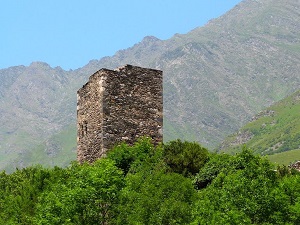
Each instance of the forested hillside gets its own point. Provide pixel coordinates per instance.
(178, 183)
(274, 130)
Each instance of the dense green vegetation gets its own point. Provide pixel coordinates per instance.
(177, 183)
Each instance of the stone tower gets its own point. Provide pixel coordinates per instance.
(118, 105)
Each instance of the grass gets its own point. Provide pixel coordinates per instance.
(277, 129)
(61, 152)
(285, 158)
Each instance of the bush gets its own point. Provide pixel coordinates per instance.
(185, 158)
(125, 155)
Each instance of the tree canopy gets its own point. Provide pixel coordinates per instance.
(176, 183)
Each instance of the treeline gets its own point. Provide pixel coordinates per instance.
(176, 183)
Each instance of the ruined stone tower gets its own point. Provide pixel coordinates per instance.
(118, 105)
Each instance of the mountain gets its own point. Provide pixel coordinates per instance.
(273, 130)
(216, 77)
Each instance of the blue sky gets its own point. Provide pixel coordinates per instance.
(69, 33)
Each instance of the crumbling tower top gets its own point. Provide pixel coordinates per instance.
(118, 105)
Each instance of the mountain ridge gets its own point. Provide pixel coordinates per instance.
(216, 77)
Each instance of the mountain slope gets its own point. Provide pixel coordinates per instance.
(285, 158)
(274, 130)
(216, 78)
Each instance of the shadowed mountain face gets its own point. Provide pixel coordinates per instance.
(216, 78)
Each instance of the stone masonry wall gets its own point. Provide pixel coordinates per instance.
(118, 105)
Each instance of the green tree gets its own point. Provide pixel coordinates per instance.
(89, 196)
(245, 193)
(154, 197)
(19, 194)
(288, 193)
(216, 164)
(185, 157)
(125, 156)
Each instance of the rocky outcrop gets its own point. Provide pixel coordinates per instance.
(295, 166)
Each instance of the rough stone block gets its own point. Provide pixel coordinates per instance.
(116, 106)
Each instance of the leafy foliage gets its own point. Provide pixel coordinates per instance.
(245, 188)
(125, 155)
(216, 164)
(156, 198)
(185, 157)
(88, 196)
(143, 184)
